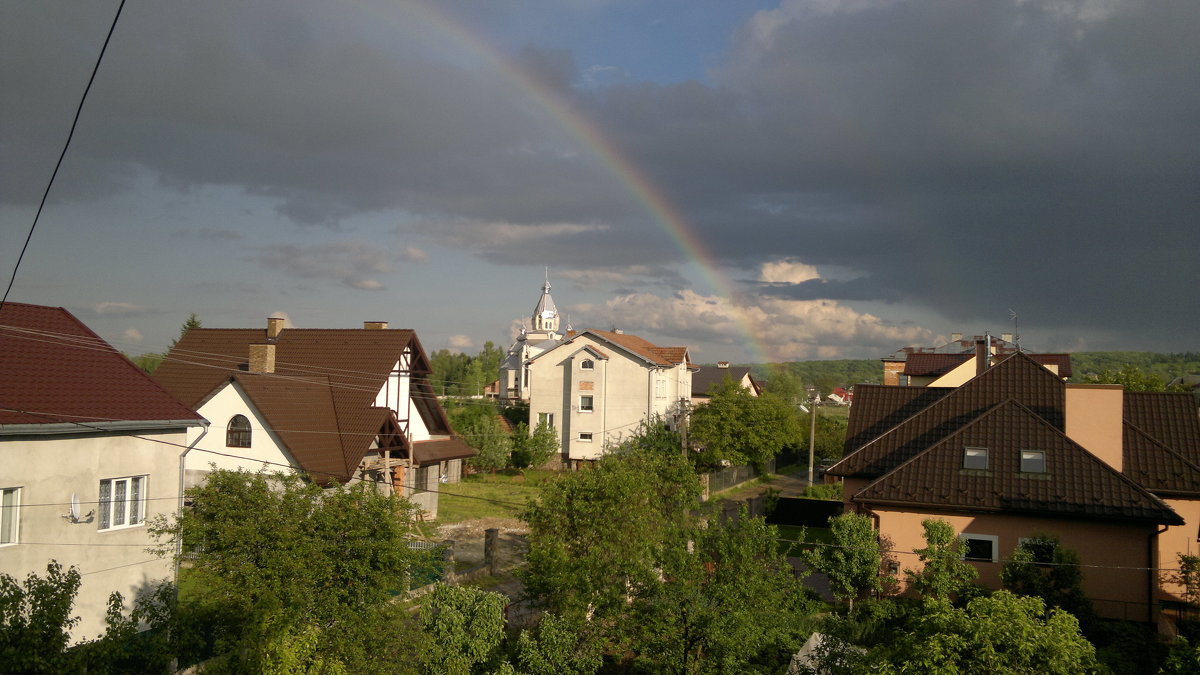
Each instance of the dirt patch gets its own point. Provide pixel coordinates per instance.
(468, 540)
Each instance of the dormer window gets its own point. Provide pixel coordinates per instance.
(975, 458)
(587, 364)
(237, 432)
(1033, 461)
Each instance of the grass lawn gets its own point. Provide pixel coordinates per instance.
(483, 495)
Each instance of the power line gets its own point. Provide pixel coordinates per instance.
(62, 155)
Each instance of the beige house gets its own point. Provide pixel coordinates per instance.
(541, 335)
(334, 404)
(90, 450)
(596, 387)
(952, 364)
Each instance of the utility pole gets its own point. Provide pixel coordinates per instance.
(683, 426)
(812, 435)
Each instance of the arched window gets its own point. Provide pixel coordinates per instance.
(587, 364)
(237, 433)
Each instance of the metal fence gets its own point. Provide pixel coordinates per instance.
(723, 479)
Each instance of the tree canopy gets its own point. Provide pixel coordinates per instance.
(944, 572)
(737, 427)
(852, 562)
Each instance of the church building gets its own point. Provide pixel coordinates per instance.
(545, 335)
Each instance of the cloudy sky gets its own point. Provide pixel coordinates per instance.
(788, 180)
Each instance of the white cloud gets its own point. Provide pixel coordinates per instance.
(460, 343)
(132, 335)
(482, 235)
(117, 309)
(788, 271)
(414, 254)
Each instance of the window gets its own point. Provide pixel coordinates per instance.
(237, 432)
(587, 364)
(585, 403)
(1033, 461)
(981, 547)
(10, 515)
(122, 502)
(546, 419)
(1041, 549)
(660, 386)
(585, 436)
(975, 458)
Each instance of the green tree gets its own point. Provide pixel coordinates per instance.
(559, 646)
(36, 621)
(1188, 576)
(1041, 567)
(465, 626)
(741, 428)
(532, 450)
(486, 433)
(287, 562)
(651, 435)
(852, 562)
(1001, 634)
(1131, 378)
(148, 362)
(945, 572)
(191, 322)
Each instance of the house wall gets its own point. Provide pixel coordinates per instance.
(957, 377)
(1179, 539)
(49, 470)
(396, 394)
(1094, 419)
(1116, 593)
(265, 449)
(892, 371)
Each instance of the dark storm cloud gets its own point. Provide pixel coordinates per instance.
(817, 289)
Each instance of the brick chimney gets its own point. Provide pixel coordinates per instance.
(981, 355)
(274, 326)
(262, 358)
(375, 325)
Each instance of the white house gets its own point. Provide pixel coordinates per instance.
(596, 387)
(542, 335)
(336, 404)
(90, 450)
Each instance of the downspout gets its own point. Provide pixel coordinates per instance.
(204, 424)
(1151, 581)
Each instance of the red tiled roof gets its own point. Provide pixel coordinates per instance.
(1076, 483)
(57, 370)
(660, 356)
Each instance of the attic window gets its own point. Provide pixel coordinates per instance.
(237, 432)
(975, 458)
(1033, 461)
(587, 364)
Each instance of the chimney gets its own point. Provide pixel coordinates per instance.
(375, 325)
(722, 364)
(956, 337)
(274, 326)
(1007, 337)
(1094, 418)
(262, 358)
(981, 356)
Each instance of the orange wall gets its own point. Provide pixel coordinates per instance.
(1094, 416)
(1117, 593)
(1176, 540)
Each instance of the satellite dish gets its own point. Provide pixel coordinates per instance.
(74, 507)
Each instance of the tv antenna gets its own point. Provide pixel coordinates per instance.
(1016, 330)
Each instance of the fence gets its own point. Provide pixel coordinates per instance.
(723, 479)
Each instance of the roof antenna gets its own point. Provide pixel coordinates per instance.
(1016, 331)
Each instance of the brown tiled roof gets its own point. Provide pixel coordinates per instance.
(334, 375)
(660, 356)
(1076, 483)
(57, 370)
(1157, 467)
(878, 408)
(440, 450)
(1169, 418)
(922, 364)
(1017, 376)
(707, 376)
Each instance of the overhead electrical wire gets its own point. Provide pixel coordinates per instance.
(62, 155)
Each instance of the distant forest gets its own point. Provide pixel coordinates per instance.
(826, 375)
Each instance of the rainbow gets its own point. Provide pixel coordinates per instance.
(652, 199)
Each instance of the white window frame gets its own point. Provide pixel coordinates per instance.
(1042, 453)
(10, 516)
(993, 539)
(591, 405)
(979, 452)
(547, 419)
(660, 386)
(585, 437)
(130, 510)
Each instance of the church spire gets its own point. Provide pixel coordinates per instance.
(545, 314)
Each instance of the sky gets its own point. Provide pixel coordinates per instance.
(755, 180)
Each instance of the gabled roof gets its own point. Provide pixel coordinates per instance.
(878, 408)
(56, 370)
(662, 357)
(1157, 467)
(321, 397)
(965, 348)
(1017, 376)
(1076, 483)
(1170, 418)
(706, 376)
(925, 364)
